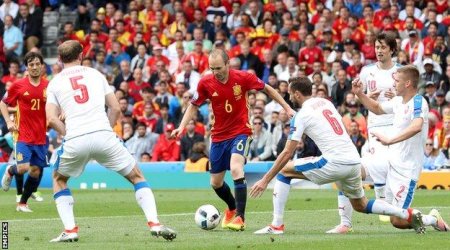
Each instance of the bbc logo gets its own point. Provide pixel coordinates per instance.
(4, 235)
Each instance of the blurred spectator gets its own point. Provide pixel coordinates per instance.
(167, 148)
(356, 136)
(249, 60)
(413, 47)
(137, 85)
(292, 69)
(277, 131)
(141, 57)
(261, 147)
(145, 157)
(306, 148)
(149, 117)
(12, 39)
(189, 139)
(198, 160)
(310, 54)
(30, 25)
(434, 158)
(147, 94)
(163, 95)
(164, 118)
(10, 8)
(430, 74)
(355, 116)
(116, 55)
(189, 77)
(128, 131)
(176, 64)
(340, 88)
(234, 19)
(124, 74)
(430, 92)
(142, 141)
(83, 19)
(13, 75)
(440, 102)
(100, 63)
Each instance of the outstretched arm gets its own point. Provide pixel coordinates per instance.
(261, 185)
(190, 112)
(413, 128)
(277, 97)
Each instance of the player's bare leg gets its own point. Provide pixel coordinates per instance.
(281, 190)
(146, 200)
(224, 192)
(240, 191)
(64, 204)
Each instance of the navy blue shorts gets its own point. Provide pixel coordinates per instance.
(220, 154)
(36, 155)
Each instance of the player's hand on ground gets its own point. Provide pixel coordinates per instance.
(381, 138)
(374, 94)
(389, 94)
(357, 86)
(11, 126)
(258, 188)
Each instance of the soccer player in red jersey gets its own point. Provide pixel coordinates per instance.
(29, 95)
(227, 89)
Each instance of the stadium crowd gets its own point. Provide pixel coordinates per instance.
(154, 53)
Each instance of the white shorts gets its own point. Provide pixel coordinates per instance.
(376, 161)
(400, 189)
(103, 146)
(320, 171)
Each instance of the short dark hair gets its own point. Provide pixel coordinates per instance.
(301, 84)
(390, 41)
(69, 51)
(140, 124)
(30, 56)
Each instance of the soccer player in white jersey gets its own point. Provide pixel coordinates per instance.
(81, 93)
(340, 161)
(405, 141)
(378, 82)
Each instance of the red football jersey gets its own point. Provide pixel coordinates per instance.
(30, 118)
(229, 103)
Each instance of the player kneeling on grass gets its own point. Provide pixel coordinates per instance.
(340, 161)
(82, 94)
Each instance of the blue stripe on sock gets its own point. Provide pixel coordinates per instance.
(284, 179)
(340, 193)
(369, 206)
(243, 185)
(64, 192)
(140, 185)
(379, 184)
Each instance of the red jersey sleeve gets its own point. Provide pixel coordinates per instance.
(13, 93)
(253, 82)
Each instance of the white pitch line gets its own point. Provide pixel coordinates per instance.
(182, 214)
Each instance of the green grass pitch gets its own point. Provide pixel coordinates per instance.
(111, 219)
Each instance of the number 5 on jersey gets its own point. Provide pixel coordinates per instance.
(84, 96)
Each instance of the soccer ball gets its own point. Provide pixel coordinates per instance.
(207, 217)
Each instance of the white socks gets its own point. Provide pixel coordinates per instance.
(429, 220)
(280, 195)
(382, 207)
(345, 210)
(64, 204)
(146, 200)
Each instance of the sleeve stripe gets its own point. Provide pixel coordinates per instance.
(417, 106)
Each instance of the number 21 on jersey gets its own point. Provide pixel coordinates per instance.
(76, 85)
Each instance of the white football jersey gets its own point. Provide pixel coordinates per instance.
(319, 119)
(80, 92)
(375, 78)
(408, 156)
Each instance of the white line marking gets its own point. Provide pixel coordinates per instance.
(184, 214)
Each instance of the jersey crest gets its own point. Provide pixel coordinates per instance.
(237, 91)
